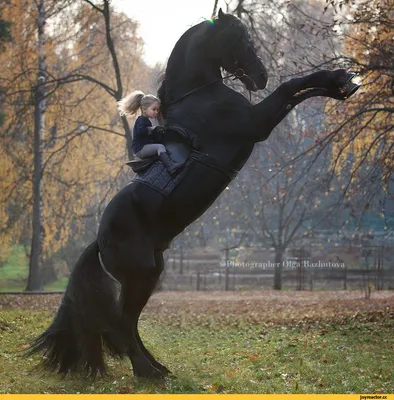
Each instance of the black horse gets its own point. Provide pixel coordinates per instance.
(140, 222)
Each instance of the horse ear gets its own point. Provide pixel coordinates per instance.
(223, 17)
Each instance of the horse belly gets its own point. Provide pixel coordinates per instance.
(193, 195)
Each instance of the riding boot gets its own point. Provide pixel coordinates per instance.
(171, 166)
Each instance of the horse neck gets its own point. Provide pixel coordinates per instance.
(189, 66)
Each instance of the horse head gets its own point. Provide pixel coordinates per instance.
(199, 54)
(232, 47)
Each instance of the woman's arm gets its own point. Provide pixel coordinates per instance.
(143, 125)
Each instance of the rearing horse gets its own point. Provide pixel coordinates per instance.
(139, 223)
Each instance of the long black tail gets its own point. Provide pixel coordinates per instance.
(87, 321)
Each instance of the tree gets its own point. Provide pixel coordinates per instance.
(81, 128)
(283, 201)
(115, 86)
(293, 39)
(5, 32)
(5, 36)
(34, 282)
(363, 128)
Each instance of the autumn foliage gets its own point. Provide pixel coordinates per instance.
(363, 125)
(84, 145)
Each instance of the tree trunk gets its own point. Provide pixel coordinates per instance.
(227, 287)
(278, 269)
(181, 259)
(119, 87)
(198, 278)
(34, 280)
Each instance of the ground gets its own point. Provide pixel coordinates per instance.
(227, 342)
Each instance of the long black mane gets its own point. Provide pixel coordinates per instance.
(176, 57)
(161, 93)
(191, 45)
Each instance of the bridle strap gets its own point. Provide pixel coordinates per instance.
(238, 74)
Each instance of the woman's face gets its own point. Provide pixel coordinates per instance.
(153, 110)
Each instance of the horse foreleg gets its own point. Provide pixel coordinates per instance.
(328, 80)
(273, 109)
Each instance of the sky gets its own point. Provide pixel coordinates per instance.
(162, 22)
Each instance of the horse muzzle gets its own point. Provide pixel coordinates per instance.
(249, 83)
(258, 80)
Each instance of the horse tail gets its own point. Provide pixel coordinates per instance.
(87, 321)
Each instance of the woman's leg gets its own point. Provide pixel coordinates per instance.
(151, 150)
(159, 149)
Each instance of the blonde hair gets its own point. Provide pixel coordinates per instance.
(135, 100)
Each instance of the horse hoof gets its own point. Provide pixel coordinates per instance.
(342, 77)
(150, 373)
(349, 89)
(164, 369)
(350, 76)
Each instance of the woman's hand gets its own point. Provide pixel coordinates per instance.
(158, 133)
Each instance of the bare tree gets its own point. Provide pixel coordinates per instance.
(282, 197)
(34, 282)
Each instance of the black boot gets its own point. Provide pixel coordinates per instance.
(171, 166)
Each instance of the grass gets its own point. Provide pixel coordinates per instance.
(19, 286)
(207, 354)
(15, 271)
(58, 285)
(16, 265)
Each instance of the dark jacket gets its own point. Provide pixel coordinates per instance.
(141, 135)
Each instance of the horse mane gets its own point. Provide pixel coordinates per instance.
(175, 57)
(161, 94)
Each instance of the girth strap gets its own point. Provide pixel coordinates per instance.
(212, 162)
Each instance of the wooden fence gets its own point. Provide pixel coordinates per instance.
(208, 278)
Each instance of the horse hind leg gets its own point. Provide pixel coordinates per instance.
(159, 261)
(136, 291)
(153, 361)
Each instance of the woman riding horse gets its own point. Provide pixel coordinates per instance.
(139, 223)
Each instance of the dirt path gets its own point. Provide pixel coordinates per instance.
(251, 306)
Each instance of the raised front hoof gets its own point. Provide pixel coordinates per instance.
(348, 89)
(149, 372)
(342, 77)
(352, 89)
(350, 76)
